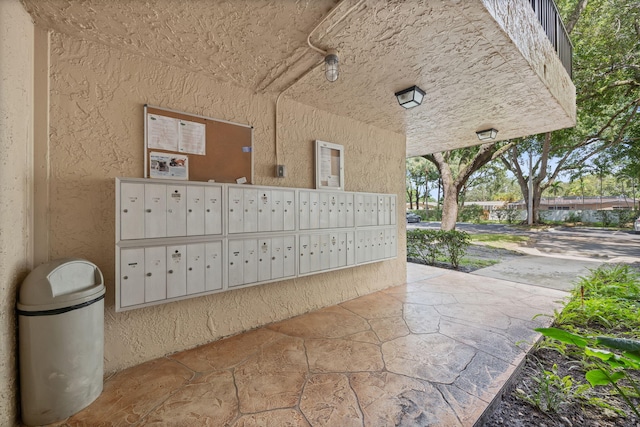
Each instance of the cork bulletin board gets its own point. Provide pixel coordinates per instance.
(179, 145)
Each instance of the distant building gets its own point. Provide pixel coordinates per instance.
(567, 203)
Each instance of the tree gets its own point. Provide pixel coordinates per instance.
(456, 167)
(606, 36)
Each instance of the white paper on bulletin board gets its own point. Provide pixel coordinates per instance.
(191, 137)
(168, 166)
(329, 165)
(162, 132)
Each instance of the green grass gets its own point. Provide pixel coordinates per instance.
(498, 240)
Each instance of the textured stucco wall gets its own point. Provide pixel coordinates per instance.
(96, 132)
(16, 104)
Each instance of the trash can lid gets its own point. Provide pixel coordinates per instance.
(60, 283)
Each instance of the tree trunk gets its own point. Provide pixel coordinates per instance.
(449, 205)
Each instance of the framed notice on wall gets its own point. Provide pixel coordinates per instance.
(329, 166)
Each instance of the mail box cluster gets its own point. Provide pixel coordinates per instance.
(181, 239)
(158, 273)
(154, 210)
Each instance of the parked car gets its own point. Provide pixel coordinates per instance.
(636, 225)
(411, 217)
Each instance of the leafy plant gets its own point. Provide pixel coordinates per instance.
(429, 245)
(610, 367)
(551, 391)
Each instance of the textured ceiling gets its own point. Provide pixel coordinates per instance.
(474, 74)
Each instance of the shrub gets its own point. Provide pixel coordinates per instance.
(428, 245)
(472, 213)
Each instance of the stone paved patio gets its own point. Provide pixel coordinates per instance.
(433, 352)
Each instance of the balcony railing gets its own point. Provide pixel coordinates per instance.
(549, 17)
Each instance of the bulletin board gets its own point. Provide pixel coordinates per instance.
(198, 148)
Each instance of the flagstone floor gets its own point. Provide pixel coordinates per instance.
(432, 352)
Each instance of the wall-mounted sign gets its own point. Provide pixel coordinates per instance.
(329, 166)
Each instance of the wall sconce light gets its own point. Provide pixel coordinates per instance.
(485, 135)
(410, 97)
(331, 65)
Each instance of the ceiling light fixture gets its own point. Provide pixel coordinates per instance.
(331, 70)
(410, 97)
(487, 134)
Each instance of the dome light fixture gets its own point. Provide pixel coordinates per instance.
(410, 97)
(487, 134)
(331, 70)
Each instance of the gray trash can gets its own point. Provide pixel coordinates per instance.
(61, 339)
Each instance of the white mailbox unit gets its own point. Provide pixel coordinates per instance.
(182, 239)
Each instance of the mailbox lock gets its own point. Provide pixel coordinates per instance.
(190, 210)
(246, 262)
(231, 263)
(170, 271)
(208, 266)
(273, 258)
(190, 268)
(125, 277)
(208, 210)
(148, 210)
(148, 274)
(126, 210)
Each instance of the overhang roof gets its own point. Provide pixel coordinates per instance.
(476, 66)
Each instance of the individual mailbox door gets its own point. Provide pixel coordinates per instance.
(264, 260)
(351, 248)
(387, 210)
(195, 268)
(394, 243)
(155, 208)
(392, 210)
(342, 210)
(176, 271)
(213, 210)
(236, 263)
(350, 211)
(387, 242)
(131, 277)
(334, 253)
(361, 218)
(236, 210)
(250, 210)
(155, 280)
(333, 210)
(131, 211)
(342, 249)
(382, 218)
(324, 210)
(289, 257)
(361, 241)
(305, 257)
(325, 255)
(264, 210)
(380, 244)
(303, 210)
(250, 271)
(213, 266)
(176, 210)
(277, 210)
(195, 210)
(314, 253)
(373, 209)
(314, 210)
(277, 257)
(289, 206)
(368, 248)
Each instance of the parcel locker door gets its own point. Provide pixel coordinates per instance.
(131, 277)
(289, 258)
(304, 251)
(236, 210)
(289, 214)
(155, 280)
(250, 210)
(236, 263)
(264, 210)
(213, 266)
(250, 271)
(264, 260)
(195, 210)
(176, 271)
(277, 257)
(304, 210)
(131, 210)
(155, 209)
(195, 268)
(277, 210)
(334, 253)
(176, 210)
(213, 210)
